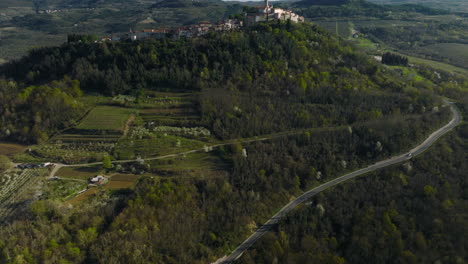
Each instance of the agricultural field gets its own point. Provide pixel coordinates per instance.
(117, 182)
(81, 173)
(13, 44)
(121, 181)
(107, 118)
(449, 5)
(90, 141)
(437, 65)
(10, 149)
(341, 28)
(161, 124)
(192, 165)
(18, 187)
(156, 146)
(170, 109)
(68, 153)
(456, 53)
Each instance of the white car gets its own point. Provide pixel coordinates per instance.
(409, 155)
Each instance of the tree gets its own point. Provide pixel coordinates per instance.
(394, 59)
(106, 162)
(5, 163)
(38, 4)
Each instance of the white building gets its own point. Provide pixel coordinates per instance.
(268, 13)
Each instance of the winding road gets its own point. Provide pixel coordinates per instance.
(237, 253)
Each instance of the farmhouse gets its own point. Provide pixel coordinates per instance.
(268, 13)
(98, 180)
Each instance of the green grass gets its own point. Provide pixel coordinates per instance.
(63, 190)
(106, 118)
(410, 74)
(365, 44)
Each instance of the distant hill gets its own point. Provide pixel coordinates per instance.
(185, 3)
(323, 2)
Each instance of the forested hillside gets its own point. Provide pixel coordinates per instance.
(30, 113)
(325, 108)
(411, 213)
(256, 81)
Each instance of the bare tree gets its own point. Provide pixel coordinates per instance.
(38, 4)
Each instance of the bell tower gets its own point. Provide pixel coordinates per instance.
(268, 7)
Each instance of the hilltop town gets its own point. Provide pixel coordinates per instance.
(256, 15)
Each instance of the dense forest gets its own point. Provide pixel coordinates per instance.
(412, 213)
(29, 114)
(298, 75)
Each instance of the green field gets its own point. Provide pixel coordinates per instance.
(457, 53)
(438, 65)
(106, 118)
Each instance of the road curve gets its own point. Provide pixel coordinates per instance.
(307, 195)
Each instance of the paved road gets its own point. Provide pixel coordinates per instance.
(307, 195)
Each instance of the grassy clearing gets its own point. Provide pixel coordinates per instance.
(83, 173)
(62, 190)
(411, 75)
(365, 44)
(83, 196)
(106, 118)
(10, 149)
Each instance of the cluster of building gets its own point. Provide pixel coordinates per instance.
(190, 31)
(269, 13)
(261, 14)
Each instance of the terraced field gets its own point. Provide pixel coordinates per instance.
(91, 140)
(170, 109)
